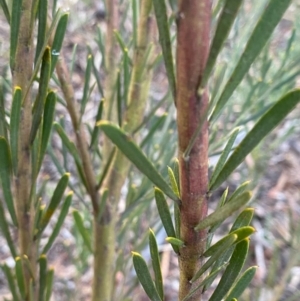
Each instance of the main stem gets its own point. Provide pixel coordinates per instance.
(22, 72)
(192, 50)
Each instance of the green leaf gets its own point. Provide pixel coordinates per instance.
(49, 284)
(106, 168)
(102, 203)
(238, 191)
(5, 231)
(42, 276)
(20, 277)
(204, 282)
(39, 104)
(134, 21)
(49, 112)
(232, 270)
(82, 230)
(224, 155)
(241, 233)
(165, 215)
(14, 30)
(54, 202)
(42, 26)
(86, 88)
(61, 218)
(226, 19)
(72, 149)
(136, 156)
(144, 277)
(119, 99)
(263, 127)
(244, 219)
(66, 141)
(5, 174)
(222, 213)
(242, 283)
(160, 10)
(158, 280)
(175, 241)
(126, 75)
(96, 130)
(11, 282)
(97, 77)
(14, 126)
(5, 9)
(259, 37)
(101, 46)
(154, 129)
(173, 182)
(176, 207)
(58, 40)
(226, 243)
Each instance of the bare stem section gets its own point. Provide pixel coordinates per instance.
(22, 72)
(192, 51)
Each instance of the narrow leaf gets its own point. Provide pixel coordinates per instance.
(14, 30)
(175, 241)
(224, 155)
(158, 280)
(106, 168)
(39, 104)
(259, 37)
(160, 10)
(87, 78)
(42, 276)
(54, 202)
(144, 277)
(263, 127)
(226, 19)
(11, 282)
(49, 284)
(203, 283)
(102, 203)
(136, 156)
(5, 231)
(173, 182)
(49, 111)
(126, 75)
(5, 9)
(72, 149)
(154, 129)
(5, 173)
(242, 283)
(165, 215)
(58, 40)
(232, 270)
(228, 242)
(241, 234)
(14, 126)
(82, 230)
(119, 99)
(96, 130)
(42, 26)
(20, 277)
(223, 212)
(244, 219)
(61, 218)
(239, 191)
